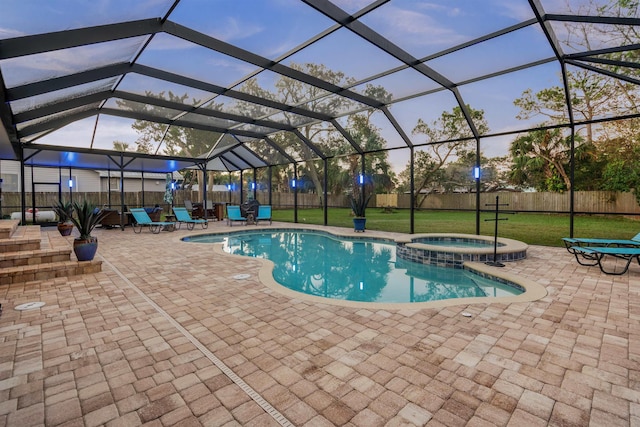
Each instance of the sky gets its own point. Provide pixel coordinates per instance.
(272, 29)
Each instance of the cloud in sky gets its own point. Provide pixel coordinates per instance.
(231, 30)
(422, 28)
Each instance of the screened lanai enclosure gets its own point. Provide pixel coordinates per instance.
(302, 104)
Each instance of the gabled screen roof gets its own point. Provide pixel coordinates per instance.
(238, 84)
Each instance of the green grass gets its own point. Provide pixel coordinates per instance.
(534, 229)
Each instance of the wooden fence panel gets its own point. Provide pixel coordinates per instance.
(585, 201)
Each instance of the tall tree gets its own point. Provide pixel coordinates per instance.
(429, 162)
(540, 158)
(323, 136)
(178, 141)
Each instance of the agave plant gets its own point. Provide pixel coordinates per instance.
(359, 205)
(64, 210)
(86, 217)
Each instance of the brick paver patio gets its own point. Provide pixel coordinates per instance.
(166, 336)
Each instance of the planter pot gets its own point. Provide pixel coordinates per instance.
(65, 228)
(358, 224)
(85, 250)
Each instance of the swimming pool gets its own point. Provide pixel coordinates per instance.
(355, 269)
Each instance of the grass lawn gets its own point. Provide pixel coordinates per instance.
(534, 229)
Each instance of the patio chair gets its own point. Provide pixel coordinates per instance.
(234, 215)
(182, 216)
(571, 242)
(188, 206)
(264, 214)
(142, 218)
(595, 256)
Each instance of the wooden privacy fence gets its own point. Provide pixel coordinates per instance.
(45, 200)
(600, 202)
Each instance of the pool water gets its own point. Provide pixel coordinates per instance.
(365, 270)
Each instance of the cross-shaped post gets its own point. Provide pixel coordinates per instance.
(497, 205)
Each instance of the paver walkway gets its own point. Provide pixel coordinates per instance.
(166, 336)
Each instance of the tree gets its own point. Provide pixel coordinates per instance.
(541, 158)
(178, 141)
(591, 96)
(428, 163)
(601, 153)
(120, 146)
(323, 136)
(621, 157)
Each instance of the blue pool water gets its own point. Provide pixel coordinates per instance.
(366, 270)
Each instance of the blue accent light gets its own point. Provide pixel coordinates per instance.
(293, 183)
(70, 183)
(173, 185)
(229, 187)
(361, 179)
(253, 185)
(70, 157)
(476, 172)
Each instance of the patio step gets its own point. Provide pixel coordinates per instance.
(52, 248)
(8, 227)
(42, 256)
(22, 238)
(48, 271)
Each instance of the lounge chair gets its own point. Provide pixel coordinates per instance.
(595, 255)
(571, 242)
(234, 215)
(182, 216)
(142, 218)
(264, 214)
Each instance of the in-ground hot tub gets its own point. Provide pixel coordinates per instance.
(452, 250)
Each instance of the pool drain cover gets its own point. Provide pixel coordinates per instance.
(241, 276)
(29, 305)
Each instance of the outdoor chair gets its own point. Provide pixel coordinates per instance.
(182, 216)
(234, 215)
(188, 206)
(264, 214)
(142, 218)
(572, 242)
(595, 256)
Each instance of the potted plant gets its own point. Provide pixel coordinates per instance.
(64, 211)
(359, 205)
(86, 217)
